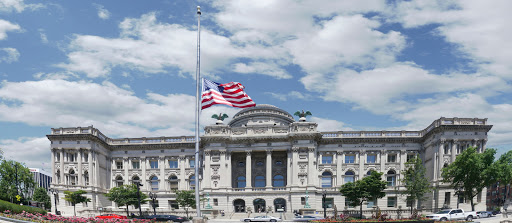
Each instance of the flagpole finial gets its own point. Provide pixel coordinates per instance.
(199, 10)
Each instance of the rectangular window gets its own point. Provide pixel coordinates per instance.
(192, 163)
(391, 202)
(153, 164)
(409, 202)
(391, 181)
(329, 202)
(350, 159)
(326, 159)
(349, 179)
(174, 204)
(173, 163)
(58, 157)
(371, 204)
(302, 201)
(71, 157)
(391, 158)
(447, 196)
(348, 203)
(371, 158)
(215, 202)
(119, 165)
(410, 156)
(135, 164)
(86, 157)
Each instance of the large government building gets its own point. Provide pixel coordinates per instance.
(262, 160)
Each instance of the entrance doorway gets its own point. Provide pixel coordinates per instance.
(239, 205)
(259, 205)
(280, 205)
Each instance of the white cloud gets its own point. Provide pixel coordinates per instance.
(102, 12)
(329, 125)
(42, 34)
(267, 68)
(17, 6)
(9, 55)
(6, 26)
(34, 152)
(290, 95)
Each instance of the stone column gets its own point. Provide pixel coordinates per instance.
(126, 166)
(361, 159)
(383, 160)
(97, 170)
(295, 166)
(54, 176)
(339, 172)
(289, 167)
(436, 159)
(484, 142)
(454, 150)
(248, 168)
(62, 178)
(224, 171)
(268, 169)
(89, 168)
(161, 165)
(207, 170)
(144, 176)
(312, 173)
(402, 158)
(228, 167)
(183, 182)
(79, 171)
(440, 162)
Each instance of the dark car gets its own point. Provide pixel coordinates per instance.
(165, 217)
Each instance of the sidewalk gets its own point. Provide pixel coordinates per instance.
(494, 219)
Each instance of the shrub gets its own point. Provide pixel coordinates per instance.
(15, 208)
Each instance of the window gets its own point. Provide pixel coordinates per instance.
(327, 159)
(240, 182)
(72, 177)
(86, 178)
(215, 202)
(154, 183)
(391, 202)
(192, 163)
(278, 181)
(153, 164)
(349, 176)
(371, 204)
(369, 172)
(135, 180)
(410, 202)
(259, 163)
(192, 182)
(174, 204)
(173, 182)
(371, 158)
(302, 201)
(119, 181)
(391, 158)
(410, 156)
(329, 202)
(119, 165)
(259, 181)
(447, 196)
(135, 164)
(241, 164)
(173, 163)
(279, 163)
(348, 203)
(350, 159)
(326, 179)
(86, 157)
(58, 157)
(391, 178)
(71, 157)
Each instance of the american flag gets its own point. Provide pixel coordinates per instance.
(231, 94)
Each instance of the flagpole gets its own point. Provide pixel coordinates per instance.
(198, 96)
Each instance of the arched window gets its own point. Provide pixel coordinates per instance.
(192, 182)
(278, 181)
(370, 172)
(259, 181)
(72, 177)
(349, 176)
(173, 182)
(135, 180)
(326, 179)
(119, 181)
(240, 182)
(239, 205)
(86, 178)
(391, 178)
(259, 205)
(154, 182)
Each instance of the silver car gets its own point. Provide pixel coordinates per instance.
(306, 218)
(261, 218)
(482, 214)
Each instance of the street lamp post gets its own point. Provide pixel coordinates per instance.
(55, 197)
(138, 197)
(153, 198)
(324, 195)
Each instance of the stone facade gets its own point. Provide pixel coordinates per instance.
(262, 159)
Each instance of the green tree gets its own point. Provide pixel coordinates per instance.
(369, 188)
(40, 195)
(471, 172)
(126, 195)
(76, 198)
(415, 181)
(503, 169)
(10, 173)
(186, 199)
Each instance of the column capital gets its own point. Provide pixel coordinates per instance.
(269, 152)
(295, 149)
(311, 149)
(455, 140)
(248, 152)
(181, 157)
(442, 140)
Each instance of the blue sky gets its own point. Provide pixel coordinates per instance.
(128, 67)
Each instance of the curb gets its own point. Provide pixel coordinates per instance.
(14, 220)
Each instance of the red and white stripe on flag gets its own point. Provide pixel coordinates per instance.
(231, 94)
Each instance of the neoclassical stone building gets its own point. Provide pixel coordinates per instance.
(261, 159)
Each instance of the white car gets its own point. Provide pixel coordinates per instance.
(482, 214)
(261, 218)
(453, 214)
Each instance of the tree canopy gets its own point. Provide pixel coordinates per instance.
(367, 189)
(9, 171)
(40, 195)
(126, 195)
(186, 199)
(471, 172)
(76, 198)
(415, 181)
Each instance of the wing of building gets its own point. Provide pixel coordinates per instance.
(262, 160)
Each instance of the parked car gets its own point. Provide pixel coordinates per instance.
(165, 217)
(496, 212)
(111, 216)
(261, 218)
(453, 214)
(482, 214)
(306, 218)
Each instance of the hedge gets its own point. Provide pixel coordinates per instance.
(14, 208)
